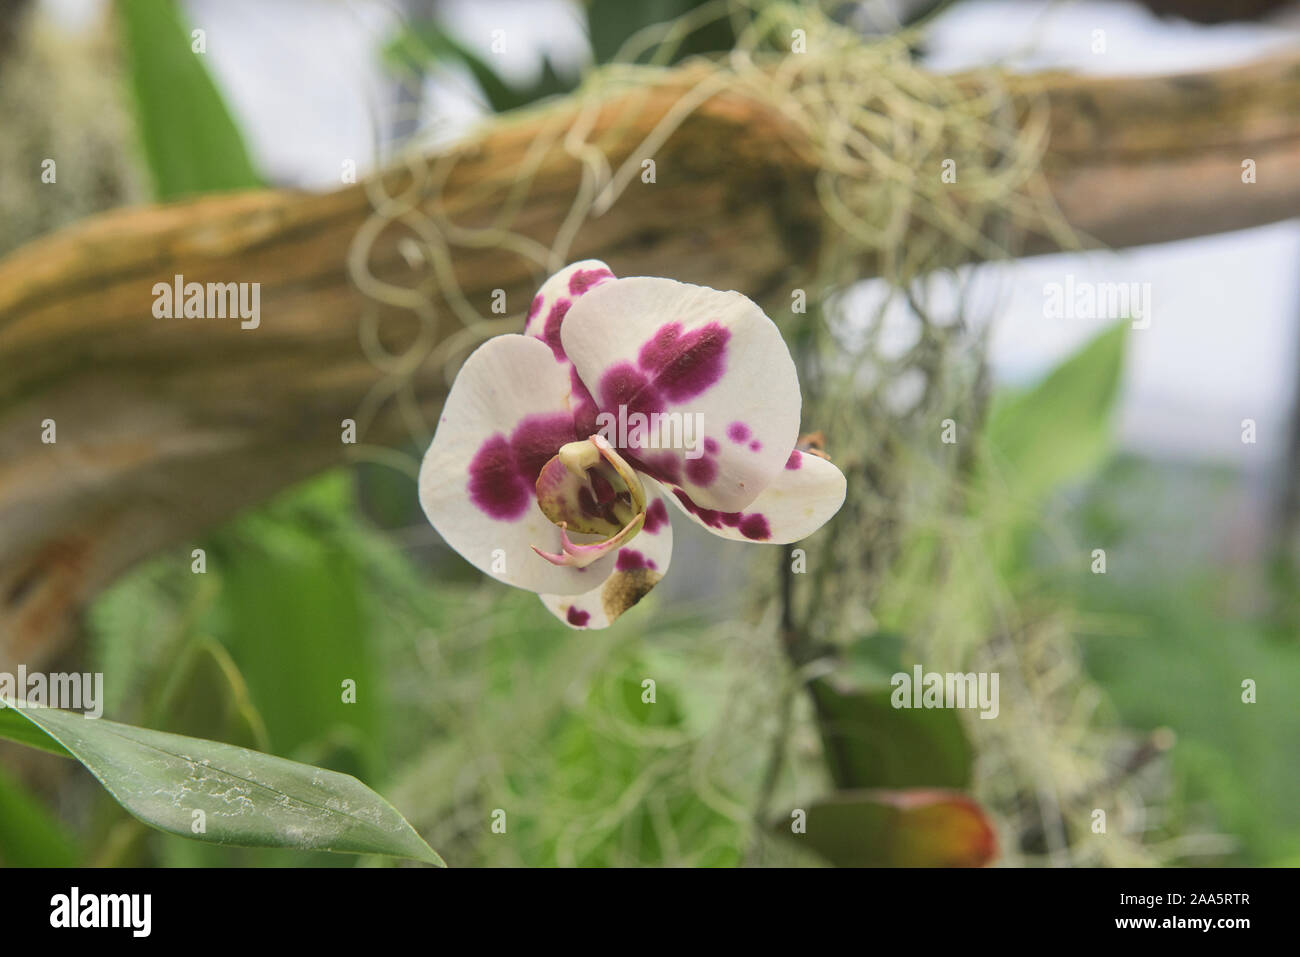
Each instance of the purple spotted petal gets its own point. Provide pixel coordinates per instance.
(553, 301)
(506, 416)
(805, 495)
(701, 368)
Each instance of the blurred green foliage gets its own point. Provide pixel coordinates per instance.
(492, 708)
(29, 835)
(612, 22)
(257, 649)
(1036, 440)
(426, 43)
(291, 605)
(1176, 626)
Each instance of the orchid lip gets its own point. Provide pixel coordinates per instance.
(588, 488)
(580, 556)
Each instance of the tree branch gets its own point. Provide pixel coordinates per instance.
(167, 426)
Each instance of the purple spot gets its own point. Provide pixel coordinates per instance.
(795, 461)
(685, 364)
(584, 279)
(755, 446)
(662, 466)
(584, 406)
(738, 431)
(656, 517)
(503, 473)
(551, 331)
(536, 440)
(673, 366)
(577, 617)
(629, 559)
(533, 310)
(708, 516)
(754, 526)
(702, 471)
(494, 483)
(625, 385)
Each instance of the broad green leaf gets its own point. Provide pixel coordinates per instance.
(247, 798)
(190, 141)
(870, 662)
(13, 727)
(29, 836)
(871, 744)
(874, 828)
(1039, 439)
(1059, 429)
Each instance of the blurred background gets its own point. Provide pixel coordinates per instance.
(1121, 691)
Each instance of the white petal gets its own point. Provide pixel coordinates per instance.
(546, 318)
(550, 306)
(710, 361)
(639, 567)
(807, 493)
(506, 416)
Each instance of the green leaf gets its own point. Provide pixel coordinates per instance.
(1059, 429)
(919, 828)
(871, 744)
(249, 799)
(13, 727)
(424, 43)
(191, 143)
(612, 22)
(29, 836)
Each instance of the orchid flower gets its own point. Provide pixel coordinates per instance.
(556, 449)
